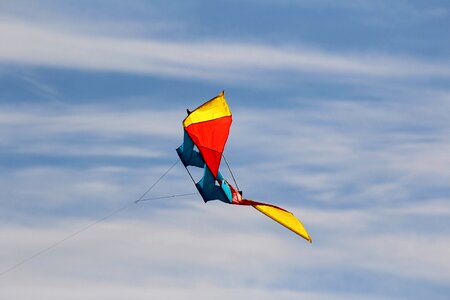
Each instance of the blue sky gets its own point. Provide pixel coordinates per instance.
(341, 115)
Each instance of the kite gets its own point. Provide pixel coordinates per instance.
(206, 131)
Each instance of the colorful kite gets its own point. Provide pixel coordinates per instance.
(207, 129)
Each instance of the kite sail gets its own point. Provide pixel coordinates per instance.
(206, 131)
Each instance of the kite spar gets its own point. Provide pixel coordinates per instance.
(206, 131)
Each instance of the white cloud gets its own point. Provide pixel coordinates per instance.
(91, 120)
(199, 291)
(361, 175)
(89, 150)
(346, 151)
(27, 43)
(212, 248)
(361, 154)
(338, 152)
(65, 131)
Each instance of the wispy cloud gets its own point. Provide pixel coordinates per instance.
(42, 123)
(27, 43)
(333, 151)
(151, 249)
(365, 168)
(341, 152)
(329, 152)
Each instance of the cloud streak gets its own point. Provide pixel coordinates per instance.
(31, 44)
(159, 250)
(355, 144)
(326, 150)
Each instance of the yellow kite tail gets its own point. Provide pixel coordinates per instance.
(285, 218)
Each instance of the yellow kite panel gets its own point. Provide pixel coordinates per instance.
(211, 110)
(285, 218)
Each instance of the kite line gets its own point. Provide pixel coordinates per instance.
(156, 182)
(167, 197)
(85, 228)
(231, 172)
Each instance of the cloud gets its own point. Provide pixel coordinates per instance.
(68, 130)
(334, 152)
(367, 172)
(339, 151)
(197, 250)
(208, 248)
(34, 44)
(199, 291)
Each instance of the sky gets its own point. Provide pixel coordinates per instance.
(341, 114)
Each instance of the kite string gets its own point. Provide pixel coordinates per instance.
(57, 243)
(85, 228)
(166, 197)
(157, 181)
(231, 172)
